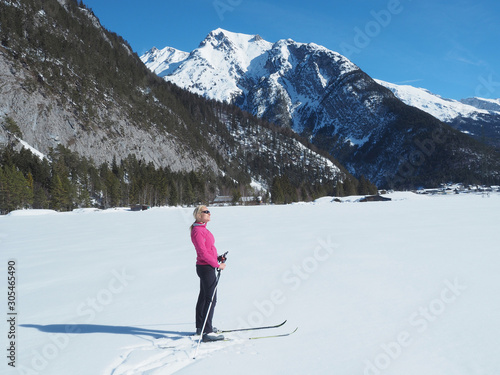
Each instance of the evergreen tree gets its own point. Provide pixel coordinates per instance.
(339, 189)
(349, 187)
(40, 198)
(15, 191)
(31, 189)
(236, 196)
(364, 188)
(12, 128)
(173, 198)
(277, 193)
(58, 200)
(112, 189)
(188, 195)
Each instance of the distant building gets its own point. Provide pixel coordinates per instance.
(139, 207)
(375, 198)
(225, 200)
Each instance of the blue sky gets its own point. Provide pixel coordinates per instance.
(450, 47)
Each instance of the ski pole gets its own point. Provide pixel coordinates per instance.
(206, 317)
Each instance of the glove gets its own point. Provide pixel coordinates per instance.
(222, 258)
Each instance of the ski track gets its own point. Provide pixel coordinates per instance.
(164, 356)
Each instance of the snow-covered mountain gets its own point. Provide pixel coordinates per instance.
(215, 68)
(475, 116)
(248, 70)
(443, 109)
(319, 94)
(88, 93)
(165, 62)
(483, 103)
(302, 86)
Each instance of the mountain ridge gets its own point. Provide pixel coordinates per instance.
(477, 117)
(323, 96)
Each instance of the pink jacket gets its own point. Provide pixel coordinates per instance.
(203, 241)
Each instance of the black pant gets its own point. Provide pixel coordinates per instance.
(208, 281)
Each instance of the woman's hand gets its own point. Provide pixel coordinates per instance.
(222, 266)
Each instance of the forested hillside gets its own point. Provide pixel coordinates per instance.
(109, 132)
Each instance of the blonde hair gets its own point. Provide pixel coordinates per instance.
(197, 214)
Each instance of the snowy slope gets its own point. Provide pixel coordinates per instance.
(165, 61)
(215, 67)
(444, 109)
(477, 117)
(402, 287)
(483, 103)
(33, 150)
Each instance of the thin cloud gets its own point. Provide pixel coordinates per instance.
(407, 82)
(461, 54)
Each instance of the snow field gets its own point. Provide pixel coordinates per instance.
(402, 287)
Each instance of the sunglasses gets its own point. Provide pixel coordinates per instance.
(206, 212)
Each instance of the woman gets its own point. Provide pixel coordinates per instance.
(207, 261)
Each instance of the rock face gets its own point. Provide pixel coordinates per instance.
(45, 123)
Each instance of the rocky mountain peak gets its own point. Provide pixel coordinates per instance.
(319, 94)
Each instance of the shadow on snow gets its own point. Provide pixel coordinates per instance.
(96, 328)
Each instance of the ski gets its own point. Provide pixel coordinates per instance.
(273, 336)
(258, 337)
(237, 339)
(250, 328)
